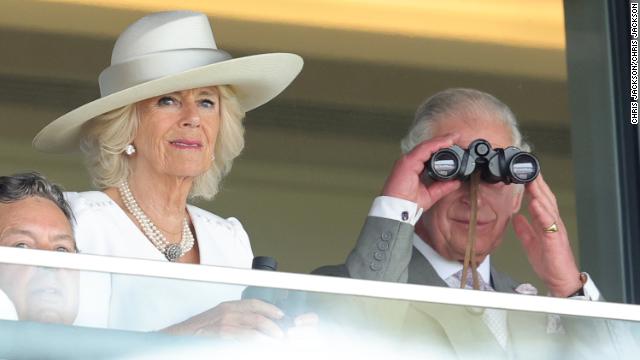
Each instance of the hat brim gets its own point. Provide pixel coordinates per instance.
(255, 79)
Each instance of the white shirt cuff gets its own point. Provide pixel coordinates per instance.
(395, 209)
(590, 290)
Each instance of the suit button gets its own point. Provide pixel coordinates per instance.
(378, 255)
(375, 266)
(386, 236)
(383, 245)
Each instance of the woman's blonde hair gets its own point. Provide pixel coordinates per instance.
(106, 136)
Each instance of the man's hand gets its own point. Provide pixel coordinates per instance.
(549, 253)
(405, 183)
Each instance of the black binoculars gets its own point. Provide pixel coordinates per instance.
(509, 165)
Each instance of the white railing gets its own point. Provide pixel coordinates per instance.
(324, 284)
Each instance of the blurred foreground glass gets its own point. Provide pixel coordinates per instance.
(371, 319)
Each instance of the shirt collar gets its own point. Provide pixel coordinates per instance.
(445, 267)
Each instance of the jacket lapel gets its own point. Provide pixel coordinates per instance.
(421, 272)
(501, 282)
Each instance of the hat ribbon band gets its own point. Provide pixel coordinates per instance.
(137, 71)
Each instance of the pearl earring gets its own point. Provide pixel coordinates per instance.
(130, 150)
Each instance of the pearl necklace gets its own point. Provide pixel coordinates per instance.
(171, 251)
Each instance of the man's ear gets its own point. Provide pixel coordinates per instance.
(517, 199)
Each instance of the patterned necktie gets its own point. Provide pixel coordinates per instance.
(495, 319)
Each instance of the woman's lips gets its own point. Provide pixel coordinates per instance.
(186, 144)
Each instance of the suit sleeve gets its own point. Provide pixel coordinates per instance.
(384, 248)
(382, 252)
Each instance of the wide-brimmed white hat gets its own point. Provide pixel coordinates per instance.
(167, 52)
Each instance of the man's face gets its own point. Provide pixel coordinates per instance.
(39, 294)
(446, 223)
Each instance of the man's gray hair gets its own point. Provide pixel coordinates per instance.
(24, 185)
(448, 102)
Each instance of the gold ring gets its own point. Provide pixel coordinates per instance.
(551, 229)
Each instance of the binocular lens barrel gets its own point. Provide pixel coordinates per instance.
(524, 168)
(445, 163)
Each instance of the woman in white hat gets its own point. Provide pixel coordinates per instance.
(166, 129)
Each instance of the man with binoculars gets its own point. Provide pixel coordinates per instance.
(418, 230)
(426, 222)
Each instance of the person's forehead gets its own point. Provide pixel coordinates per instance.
(206, 90)
(34, 213)
(475, 126)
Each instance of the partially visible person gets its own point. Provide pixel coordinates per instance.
(166, 129)
(417, 233)
(35, 215)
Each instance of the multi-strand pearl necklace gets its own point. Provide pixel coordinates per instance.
(171, 251)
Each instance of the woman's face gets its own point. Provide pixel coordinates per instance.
(177, 132)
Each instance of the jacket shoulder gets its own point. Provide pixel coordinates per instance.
(332, 270)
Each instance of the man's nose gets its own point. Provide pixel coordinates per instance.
(480, 193)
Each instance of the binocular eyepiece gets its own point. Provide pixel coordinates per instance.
(509, 165)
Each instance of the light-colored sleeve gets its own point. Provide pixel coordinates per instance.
(7, 310)
(395, 209)
(590, 291)
(243, 243)
(89, 226)
(94, 296)
(94, 290)
(382, 252)
(384, 246)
